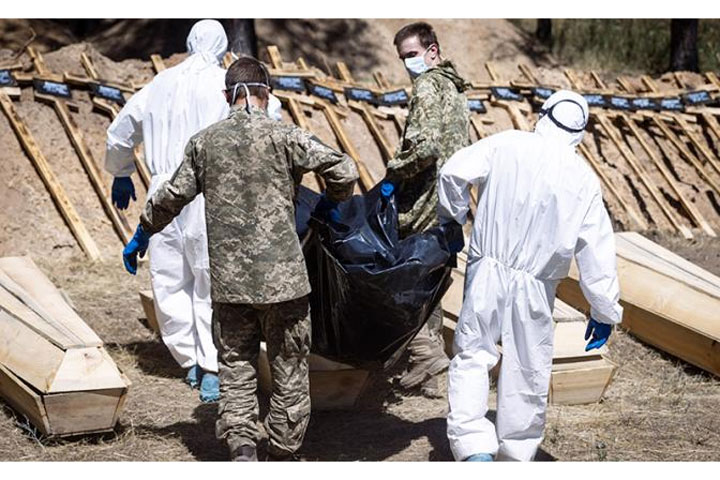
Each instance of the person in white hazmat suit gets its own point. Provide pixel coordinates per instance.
(178, 103)
(540, 204)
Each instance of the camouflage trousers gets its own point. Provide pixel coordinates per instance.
(237, 331)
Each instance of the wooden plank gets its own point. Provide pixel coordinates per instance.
(604, 121)
(580, 383)
(26, 274)
(640, 250)
(275, 57)
(25, 352)
(118, 220)
(367, 116)
(12, 92)
(366, 180)
(574, 380)
(331, 388)
(563, 313)
(680, 121)
(516, 117)
(38, 62)
(21, 312)
(384, 85)
(594, 162)
(302, 64)
(66, 329)
(112, 111)
(380, 80)
(369, 119)
(85, 369)
(663, 305)
(700, 146)
(157, 63)
(494, 77)
(642, 175)
(227, 60)
(689, 206)
(50, 180)
(123, 398)
(11, 66)
(711, 123)
(78, 413)
(23, 399)
(88, 66)
(148, 303)
(525, 70)
(569, 342)
(690, 157)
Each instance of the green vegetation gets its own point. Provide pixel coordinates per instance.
(628, 45)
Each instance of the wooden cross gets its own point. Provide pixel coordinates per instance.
(615, 138)
(112, 110)
(57, 192)
(595, 163)
(77, 139)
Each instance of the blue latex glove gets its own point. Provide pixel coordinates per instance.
(137, 244)
(122, 190)
(387, 189)
(327, 210)
(600, 333)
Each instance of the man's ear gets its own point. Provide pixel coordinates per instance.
(434, 51)
(227, 96)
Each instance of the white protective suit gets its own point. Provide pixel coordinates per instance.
(178, 103)
(539, 205)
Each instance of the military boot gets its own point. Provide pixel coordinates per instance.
(427, 360)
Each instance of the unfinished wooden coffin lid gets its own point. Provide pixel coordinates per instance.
(569, 335)
(658, 281)
(54, 319)
(43, 341)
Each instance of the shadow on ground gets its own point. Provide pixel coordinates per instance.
(152, 358)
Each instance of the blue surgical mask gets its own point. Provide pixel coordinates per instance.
(416, 65)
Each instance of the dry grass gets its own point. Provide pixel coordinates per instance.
(657, 407)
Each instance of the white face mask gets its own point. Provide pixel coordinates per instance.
(416, 65)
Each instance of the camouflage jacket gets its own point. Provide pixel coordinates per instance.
(249, 168)
(437, 126)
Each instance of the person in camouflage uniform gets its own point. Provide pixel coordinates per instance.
(249, 168)
(437, 126)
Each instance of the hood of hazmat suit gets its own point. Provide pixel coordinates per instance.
(539, 206)
(447, 69)
(178, 103)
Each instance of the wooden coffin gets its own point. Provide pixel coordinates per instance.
(333, 385)
(53, 367)
(148, 304)
(578, 377)
(669, 302)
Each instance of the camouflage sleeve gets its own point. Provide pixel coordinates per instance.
(337, 169)
(421, 142)
(170, 198)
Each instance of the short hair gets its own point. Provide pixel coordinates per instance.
(248, 70)
(424, 31)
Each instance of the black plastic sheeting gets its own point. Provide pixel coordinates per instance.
(371, 293)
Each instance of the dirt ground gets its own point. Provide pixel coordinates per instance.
(657, 407)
